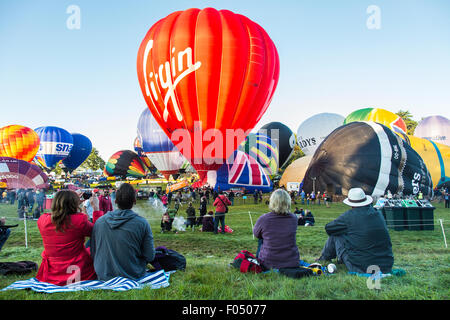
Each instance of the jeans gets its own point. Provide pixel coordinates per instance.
(3, 237)
(219, 217)
(335, 248)
(260, 242)
(447, 203)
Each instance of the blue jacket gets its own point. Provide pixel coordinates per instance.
(121, 245)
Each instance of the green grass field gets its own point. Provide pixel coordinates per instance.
(208, 276)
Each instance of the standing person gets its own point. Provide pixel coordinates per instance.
(359, 237)
(4, 232)
(122, 241)
(31, 200)
(12, 198)
(313, 197)
(113, 198)
(202, 210)
(63, 234)
(190, 215)
(255, 196)
(169, 197)
(40, 199)
(325, 199)
(276, 231)
(318, 197)
(260, 196)
(231, 197)
(86, 205)
(302, 195)
(221, 204)
(447, 199)
(105, 202)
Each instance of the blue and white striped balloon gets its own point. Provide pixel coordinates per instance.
(56, 144)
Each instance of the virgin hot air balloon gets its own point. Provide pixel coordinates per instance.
(125, 163)
(207, 71)
(434, 128)
(158, 148)
(370, 156)
(81, 149)
(55, 145)
(18, 142)
(18, 174)
(284, 139)
(315, 129)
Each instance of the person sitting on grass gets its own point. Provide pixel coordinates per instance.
(207, 222)
(63, 232)
(276, 231)
(359, 237)
(309, 219)
(122, 241)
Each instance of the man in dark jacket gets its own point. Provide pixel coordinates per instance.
(359, 237)
(122, 241)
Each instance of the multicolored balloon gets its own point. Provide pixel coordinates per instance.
(207, 71)
(18, 142)
(284, 139)
(434, 128)
(82, 147)
(20, 174)
(55, 145)
(243, 172)
(370, 156)
(125, 163)
(158, 148)
(315, 129)
(263, 149)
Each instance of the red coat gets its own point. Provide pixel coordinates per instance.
(105, 204)
(220, 205)
(65, 252)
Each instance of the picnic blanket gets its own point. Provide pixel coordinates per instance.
(155, 280)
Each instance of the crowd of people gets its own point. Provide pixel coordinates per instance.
(120, 242)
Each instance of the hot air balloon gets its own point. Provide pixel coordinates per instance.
(18, 142)
(159, 149)
(295, 172)
(370, 156)
(315, 129)
(436, 157)
(81, 149)
(263, 149)
(20, 174)
(125, 163)
(389, 119)
(55, 145)
(240, 171)
(211, 74)
(435, 128)
(284, 139)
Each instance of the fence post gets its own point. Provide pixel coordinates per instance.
(251, 221)
(25, 225)
(443, 232)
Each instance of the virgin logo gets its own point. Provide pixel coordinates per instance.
(170, 73)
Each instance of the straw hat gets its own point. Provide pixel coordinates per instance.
(357, 198)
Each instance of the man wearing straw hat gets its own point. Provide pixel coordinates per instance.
(359, 237)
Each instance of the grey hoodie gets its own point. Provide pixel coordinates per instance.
(121, 245)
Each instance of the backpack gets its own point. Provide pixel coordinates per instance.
(168, 260)
(21, 267)
(245, 261)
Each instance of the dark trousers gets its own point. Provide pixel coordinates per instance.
(447, 203)
(4, 235)
(219, 217)
(335, 248)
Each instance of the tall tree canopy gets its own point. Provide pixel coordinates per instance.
(408, 118)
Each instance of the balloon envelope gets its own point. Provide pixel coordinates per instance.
(206, 71)
(389, 119)
(125, 163)
(370, 156)
(284, 139)
(437, 158)
(315, 129)
(55, 145)
(158, 148)
(81, 149)
(435, 128)
(295, 172)
(18, 142)
(263, 149)
(243, 172)
(19, 174)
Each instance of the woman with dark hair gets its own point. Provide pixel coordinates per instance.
(65, 259)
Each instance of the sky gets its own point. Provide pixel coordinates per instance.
(332, 59)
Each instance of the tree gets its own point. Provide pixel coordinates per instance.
(408, 118)
(94, 161)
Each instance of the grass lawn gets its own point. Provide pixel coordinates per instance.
(421, 254)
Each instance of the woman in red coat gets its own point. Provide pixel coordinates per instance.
(65, 259)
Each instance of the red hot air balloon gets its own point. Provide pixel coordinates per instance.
(208, 72)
